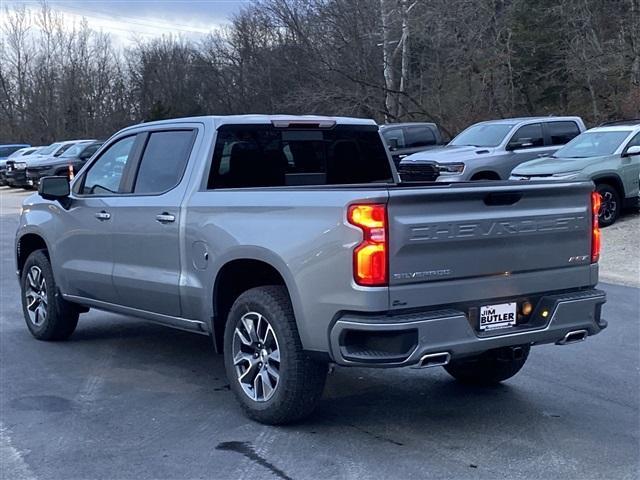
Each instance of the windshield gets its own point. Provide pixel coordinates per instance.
(75, 150)
(50, 149)
(593, 144)
(483, 135)
(18, 153)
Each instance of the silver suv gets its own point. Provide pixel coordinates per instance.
(607, 155)
(491, 150)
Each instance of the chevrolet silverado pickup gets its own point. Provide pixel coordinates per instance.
(291, 243)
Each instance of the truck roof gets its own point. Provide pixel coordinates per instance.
(516, 120)
(616, 128)
(218, 120)
(405, 124)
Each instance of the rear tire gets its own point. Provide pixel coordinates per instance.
(274, 380)
(47, 314)
(611, 205)
(489, 368)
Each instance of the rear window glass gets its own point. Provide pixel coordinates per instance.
(266, 156)
(562, 132)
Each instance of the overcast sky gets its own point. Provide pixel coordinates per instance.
(145, 18)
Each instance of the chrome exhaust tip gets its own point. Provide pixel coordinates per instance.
(434, 360)
(574, 336)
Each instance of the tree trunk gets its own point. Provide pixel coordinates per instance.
(390, 98)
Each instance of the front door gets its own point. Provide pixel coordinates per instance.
(527, 143)
(84, 249)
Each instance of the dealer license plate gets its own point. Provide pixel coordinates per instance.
(493, 317)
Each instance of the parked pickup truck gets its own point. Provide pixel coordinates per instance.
(491, 150)
(403, 139)
(291, 242)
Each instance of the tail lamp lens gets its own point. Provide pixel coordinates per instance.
(370, 256)
(595, 227)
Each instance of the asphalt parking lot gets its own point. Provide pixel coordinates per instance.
(124, 399)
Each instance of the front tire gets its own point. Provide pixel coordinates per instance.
(47, 314)
(491, 367)
(610, 206)
(274, 380)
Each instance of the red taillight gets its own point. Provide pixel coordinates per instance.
(370, 256)
(595, 227)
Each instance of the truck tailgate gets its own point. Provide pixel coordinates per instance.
(458, 232)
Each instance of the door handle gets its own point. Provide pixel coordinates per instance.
(165, 218)
(103, 215)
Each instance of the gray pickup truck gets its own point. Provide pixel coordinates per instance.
(291, 243)
(491, 150)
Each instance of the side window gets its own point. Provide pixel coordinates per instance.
(105, 174)
(163, 161)
(634, 142)
(562, 132)
(395, 134)
(529, 136)
(419, 137)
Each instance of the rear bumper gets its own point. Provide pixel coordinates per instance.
(417, 334)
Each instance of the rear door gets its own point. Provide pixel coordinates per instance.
(462, 232)
(560, 133)
(146, 224)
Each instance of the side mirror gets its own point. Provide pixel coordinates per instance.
(55, 188)
(393, 143)
(631, 151)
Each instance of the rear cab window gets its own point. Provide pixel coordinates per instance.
(267, 156)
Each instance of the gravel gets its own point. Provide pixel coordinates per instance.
(620, 256)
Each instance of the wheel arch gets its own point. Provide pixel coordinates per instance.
(485, 175)
(27, 243)
(611, 179)
(239, 274)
